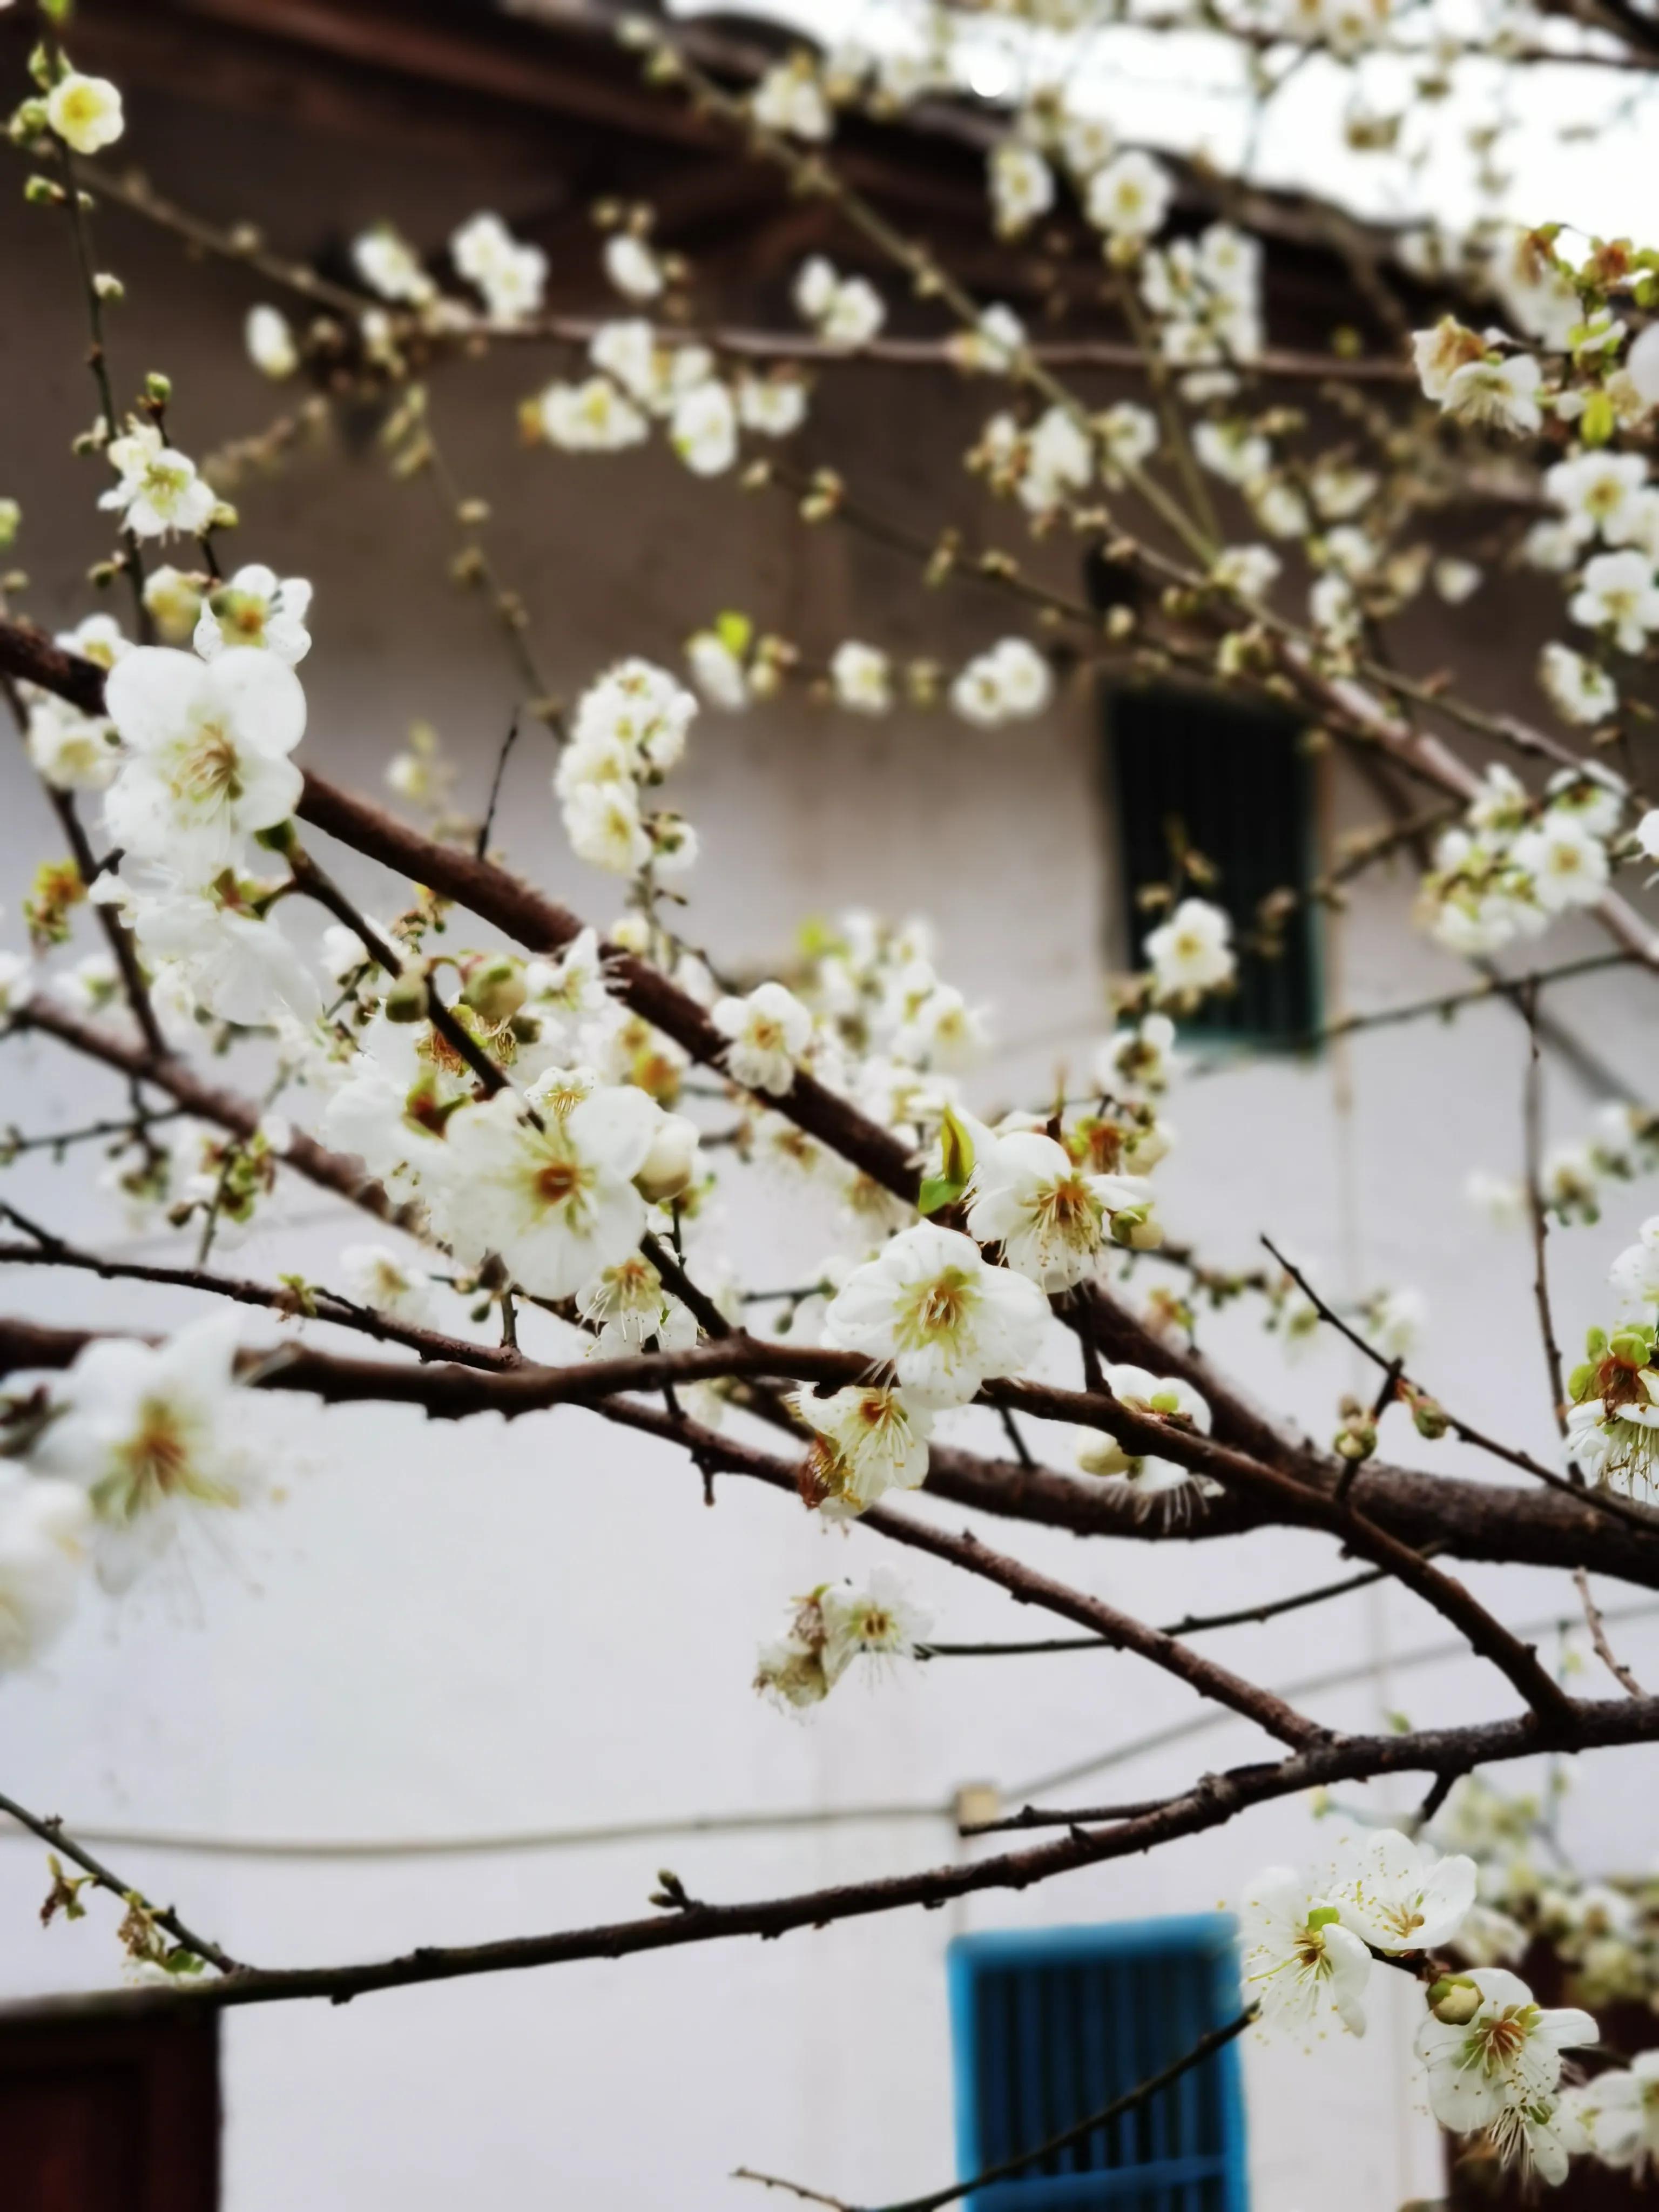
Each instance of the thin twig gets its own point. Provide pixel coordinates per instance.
(481, 848)
(1532, 1122)
(51, 1829)
(1598, 1631)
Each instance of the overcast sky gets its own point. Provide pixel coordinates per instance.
(1187, 92)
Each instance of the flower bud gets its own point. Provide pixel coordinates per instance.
(1356, 1440)
(669, 1166)
(495, 989)
(1430, 1417)
(406, 1000)
(1455, 1999)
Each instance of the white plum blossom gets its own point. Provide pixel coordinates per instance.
(1143, 1058)
(1012, 681)
(1500, 393)
(160, 491)
(1128, 433)
(206, 762)
(210, 946)
(45, 1526)
(1129, 197)
(1618, 2111)
(877, 1621)
(556, 1203)
(1497, 2068)
(626, 1304)
(1232, 451)
(1595, 492)
(768, 1031)
(269, 337)
(1060, 459)
(1051, 1220)
(391, 266)
(992, 346)
(71, 751)
(1022, 186)
(85, 112)
(862, 677)
(1149, 1477)
(846, 311)
(1612, 1426)
(1396, 1320)
(1567, 863)
(703, 428)
(632, 267)
(1617, 594)
(1248, 570)
(1635, 1273)
(1301, 1964)
(512, 277)
(387, 1282)
(591, 417)
(773, 406)
(172, 598)
(602, 821)
(256, 608)
(155, 1437)
(1191, 953)
(640, 706)
(717, 670)
(931, 1309)
(1578, 689)
(866, 1442)
(1400, 1897)
(788, 98)
(1502, 1199)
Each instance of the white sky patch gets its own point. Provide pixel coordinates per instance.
(1573, 148)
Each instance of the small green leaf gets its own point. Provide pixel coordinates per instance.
(734, 631)
(956, 1165)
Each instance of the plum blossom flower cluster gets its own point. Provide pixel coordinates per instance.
(641, 376)
(1516, 862)
(628, 731)
(830, 1628)
(1491, 2055)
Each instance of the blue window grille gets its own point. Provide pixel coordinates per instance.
(1050, 2027)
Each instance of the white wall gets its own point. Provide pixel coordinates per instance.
(446, 1632)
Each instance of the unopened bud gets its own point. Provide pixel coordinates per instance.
(1356, 1440)
(495, 989)
(158, 388)
(406, 1000)
(1430, 1417)
(671, 1162)
(1455, 1999)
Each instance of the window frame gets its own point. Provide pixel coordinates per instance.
(1127, 926)
(1209, 1935)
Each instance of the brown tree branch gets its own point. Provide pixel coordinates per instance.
(1210, 1802)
